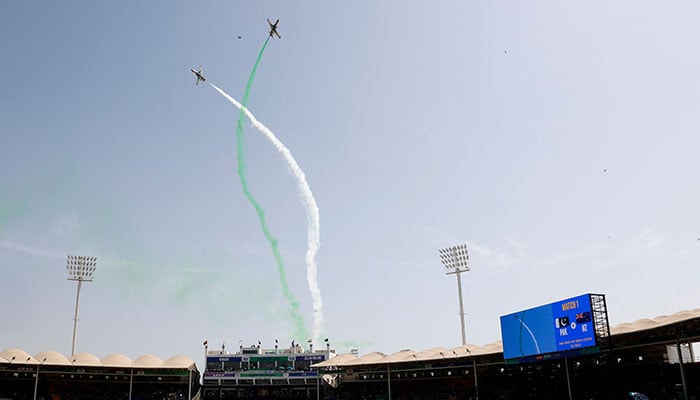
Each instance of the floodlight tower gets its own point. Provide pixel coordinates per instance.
(81, 269)
(455, 259)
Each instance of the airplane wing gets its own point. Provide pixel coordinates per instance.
(278, 35)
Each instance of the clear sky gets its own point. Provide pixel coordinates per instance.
(558, 140)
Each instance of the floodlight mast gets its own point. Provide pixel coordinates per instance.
(81, 269)
(455, 260)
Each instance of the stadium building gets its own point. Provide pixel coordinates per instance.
(50, 375)
(253, 372)
(649, 358)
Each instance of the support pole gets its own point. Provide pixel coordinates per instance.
(461, 308)
(680, 363)
(568, 380)
(75, 317)
(189, 388)
(36, 382)
(388, 379)
(476, 382)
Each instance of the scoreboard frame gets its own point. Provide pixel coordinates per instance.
(577, 325)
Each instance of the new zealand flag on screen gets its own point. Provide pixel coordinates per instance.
(583, 317)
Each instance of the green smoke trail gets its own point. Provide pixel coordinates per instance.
(9, 211)
(300, 329)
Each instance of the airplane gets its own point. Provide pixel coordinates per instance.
(273, 28)
(200, 77)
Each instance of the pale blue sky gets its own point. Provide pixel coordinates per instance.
(558, 140)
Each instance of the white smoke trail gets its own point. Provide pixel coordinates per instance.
(35, 251)
(312, 214)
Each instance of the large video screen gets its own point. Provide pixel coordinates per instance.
(560, 326)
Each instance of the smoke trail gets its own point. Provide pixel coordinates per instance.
(11, 210)
(31, 250)
(312, 214)
(295, 314)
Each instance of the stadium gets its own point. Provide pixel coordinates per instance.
(648, 358)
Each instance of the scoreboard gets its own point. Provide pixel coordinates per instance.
(562, 326)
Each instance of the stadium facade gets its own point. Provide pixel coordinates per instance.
(254, 372)
(50, 375)
(651, 358)
(648, 358)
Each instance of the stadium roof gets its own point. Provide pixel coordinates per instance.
(18, 356)
(645, 323)
(408, 355)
